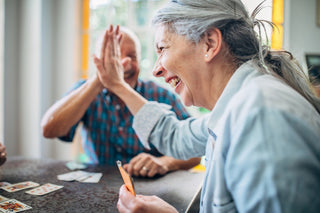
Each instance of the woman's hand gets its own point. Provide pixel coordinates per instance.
(110, 69)
(144, 204)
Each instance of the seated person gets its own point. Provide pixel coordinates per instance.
(314, 76)
(3, 154)
(107, 133)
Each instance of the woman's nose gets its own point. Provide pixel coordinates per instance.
(158, 70)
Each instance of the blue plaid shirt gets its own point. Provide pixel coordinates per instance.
(107, 133)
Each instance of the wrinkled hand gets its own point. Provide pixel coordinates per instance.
(110, 69)
(146, 165)
(3, 154)
(144, 204)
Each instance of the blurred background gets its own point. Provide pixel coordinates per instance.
(47, 45)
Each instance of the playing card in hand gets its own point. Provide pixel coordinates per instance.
(44, 189)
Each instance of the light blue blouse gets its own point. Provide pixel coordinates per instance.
(261, 142)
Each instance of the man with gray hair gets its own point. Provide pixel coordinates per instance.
(107, 133)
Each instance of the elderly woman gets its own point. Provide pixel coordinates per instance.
(262, 151)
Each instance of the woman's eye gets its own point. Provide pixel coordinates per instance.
(160, 49)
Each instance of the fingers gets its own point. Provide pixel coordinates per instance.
(98, 63)
(110, 35)
(118, 34)
(132, 167)
(109, 67)
(117, 30)
(113, 45)
(146, 165)
(103, 46)
(124, 199)
(140, 164)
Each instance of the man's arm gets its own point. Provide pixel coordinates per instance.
(60, 117)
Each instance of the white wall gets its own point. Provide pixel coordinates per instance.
(41, 63)
(301, 33)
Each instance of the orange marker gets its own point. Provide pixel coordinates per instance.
(127, 179)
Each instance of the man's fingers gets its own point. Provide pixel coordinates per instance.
(103, 46)
(98, 63)
(117, 30)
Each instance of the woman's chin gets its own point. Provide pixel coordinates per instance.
(186, 99)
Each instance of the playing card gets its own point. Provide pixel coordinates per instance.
(71, 176)
(13, 205)
(127, 179)
(3, 198)
(44, 189)
(81, 176)
(4, 184)
(72, 165)
(20, 186)
(92, 178)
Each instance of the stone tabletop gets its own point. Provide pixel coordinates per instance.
(177, 188)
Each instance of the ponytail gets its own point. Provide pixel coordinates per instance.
(285, 66)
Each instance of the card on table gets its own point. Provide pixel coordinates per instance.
(20, 186)
(72, 165)
(4, 184)
(71, 176)
(13, 205)
(2, 198)
(92, 178)
(81, 176)
(44, 189)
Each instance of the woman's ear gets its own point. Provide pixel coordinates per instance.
(213, 43)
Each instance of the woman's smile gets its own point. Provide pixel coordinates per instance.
(174, 82)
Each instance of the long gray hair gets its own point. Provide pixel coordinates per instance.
(193, 19)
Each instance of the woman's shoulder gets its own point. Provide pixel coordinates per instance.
(267, 93)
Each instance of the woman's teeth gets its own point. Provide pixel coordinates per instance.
(174, 81)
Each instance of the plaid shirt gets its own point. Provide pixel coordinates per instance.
(107, 133)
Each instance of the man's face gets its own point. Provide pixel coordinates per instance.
(129, 59)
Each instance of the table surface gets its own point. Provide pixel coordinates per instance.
(177, 188)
